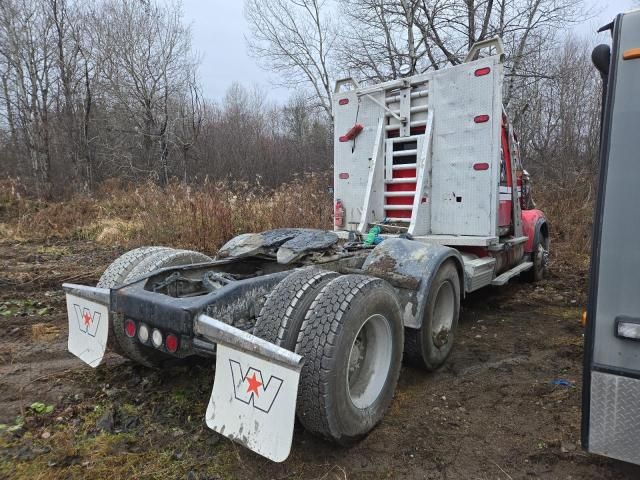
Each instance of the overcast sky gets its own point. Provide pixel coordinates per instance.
(219, 31)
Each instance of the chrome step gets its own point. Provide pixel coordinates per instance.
(405, 153)
(405, 166)
(509, 274)
(391, 181)
(408, 193)
(398, 207)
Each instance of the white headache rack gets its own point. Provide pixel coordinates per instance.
(426, 159)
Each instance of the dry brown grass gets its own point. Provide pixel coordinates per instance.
(201, 218)
(204, 217)
(570, 214)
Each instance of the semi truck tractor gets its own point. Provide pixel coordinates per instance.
(431, 202)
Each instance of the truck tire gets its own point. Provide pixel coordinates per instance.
(351, 340)
(539, 259)
(116, 274)
(429, 346)
(284, 310)
(131, 347)
(164, 259)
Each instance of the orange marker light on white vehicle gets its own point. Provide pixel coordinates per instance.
(631, 54)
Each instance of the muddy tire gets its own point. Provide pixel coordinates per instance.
(116, 275)
(117, 272)
(351, 340)
(284, 310)
(429, 346)
(539, 259)
(164, 259)
(131, 347)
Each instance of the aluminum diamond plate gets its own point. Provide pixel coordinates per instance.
(615, 418)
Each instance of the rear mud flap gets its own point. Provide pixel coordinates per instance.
(88, 314)
(253, 401)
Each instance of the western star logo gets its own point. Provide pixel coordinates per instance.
(251, 388)
(87, 321)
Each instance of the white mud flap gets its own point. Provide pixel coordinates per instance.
(253, 401)
(88, 328)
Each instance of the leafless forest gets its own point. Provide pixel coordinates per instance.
(97, 90)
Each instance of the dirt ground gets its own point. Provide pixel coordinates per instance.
(493, 412)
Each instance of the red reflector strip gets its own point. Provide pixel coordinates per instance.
(482, 71)
(343, 175)
(398, 213)
(343, 101)
(408, 173)
(481, 166)
(408, 200)
(402, 187)
(481, 119)
(130, 328)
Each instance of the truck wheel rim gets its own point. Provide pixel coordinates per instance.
(541, 258)
(369, 361)
(443, 313)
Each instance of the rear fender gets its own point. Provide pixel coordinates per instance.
(410, 267)
(534, 225)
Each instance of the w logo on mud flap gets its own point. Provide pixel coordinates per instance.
(251, 388)
(87, 321)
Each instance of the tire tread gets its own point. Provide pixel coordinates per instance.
(317, 343)
(285, 302)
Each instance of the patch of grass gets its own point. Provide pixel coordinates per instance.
(15, 307)
(53, 250)
(78, 451)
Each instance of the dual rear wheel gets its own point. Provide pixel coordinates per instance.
(349, 330)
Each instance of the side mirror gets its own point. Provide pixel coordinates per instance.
(601, 58)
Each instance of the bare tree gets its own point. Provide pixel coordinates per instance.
(560, 130)
(296, 39)
(25, 46)
(382, 35)
(147, 62)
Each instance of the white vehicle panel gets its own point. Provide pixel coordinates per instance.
(465, 200)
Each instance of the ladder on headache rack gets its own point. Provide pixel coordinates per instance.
(401, 158)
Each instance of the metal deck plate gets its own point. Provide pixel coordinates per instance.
(615, 418)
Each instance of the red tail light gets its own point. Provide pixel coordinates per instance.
(482, 71)
(171, 342)
(481, 118)
(130, 328)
